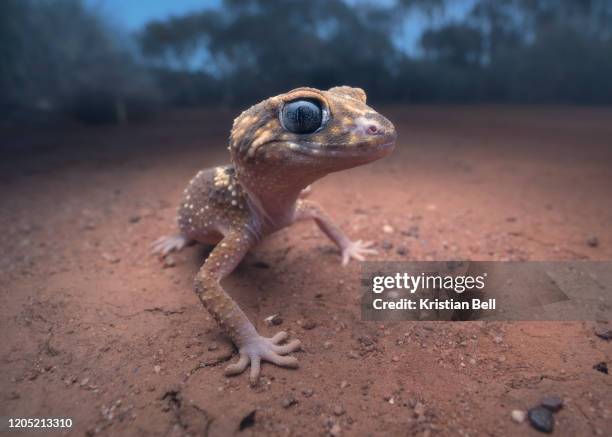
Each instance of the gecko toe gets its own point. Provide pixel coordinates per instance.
(255, 369)
(287, 348)
(238, 367)
(278, 338)
(280, 360)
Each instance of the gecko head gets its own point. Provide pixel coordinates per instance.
(312, 130)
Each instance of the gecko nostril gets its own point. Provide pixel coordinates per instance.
(372, 129)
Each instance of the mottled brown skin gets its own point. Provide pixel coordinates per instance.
(236, 206)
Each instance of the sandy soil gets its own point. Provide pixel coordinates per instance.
(96, 329)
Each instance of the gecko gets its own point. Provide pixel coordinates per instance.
(278, 148)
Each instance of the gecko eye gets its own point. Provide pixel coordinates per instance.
(302, 116)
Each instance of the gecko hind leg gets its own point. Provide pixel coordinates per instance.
(164, 245)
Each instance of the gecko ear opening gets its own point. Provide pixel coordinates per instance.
(355, 93)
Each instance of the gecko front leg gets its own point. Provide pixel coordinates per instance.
(307, 209)
(252, 347)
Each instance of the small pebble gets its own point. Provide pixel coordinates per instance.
(335, 430)
(308, 392)
(213, 346)
(419, 409)
(289, 401)
(593, 241)
(387, 229)
(541, 419)
(601, 367)
(518, 416)
(338, 410)
(169, 262)
(604, 332)
(387, 245)
(157, 369)
(274, 320)
(552, 402)
(309, 324)
(110, 258)
(328, 344)
(401, 250)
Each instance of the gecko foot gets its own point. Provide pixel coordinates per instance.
(357, 250)
(165, 245)
(267, 349)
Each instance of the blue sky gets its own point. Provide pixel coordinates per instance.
(133, 14)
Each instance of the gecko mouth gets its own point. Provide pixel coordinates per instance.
(363, 150)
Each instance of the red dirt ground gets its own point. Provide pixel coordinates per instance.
(96, 329)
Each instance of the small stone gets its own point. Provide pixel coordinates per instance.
(604, 332)
(592, 241)
(387, 229)
(401, 250)
(328, 344)
(274, 320)
(338, 410)
(134, 218)
(343, 384)
(395, 359)
(289, 401)
(308, 392)
(552, 402)
(169, 262)
(110, 258)
(89, 226)
(419, 409)
(412, 231)
(335, 430)
(541, 419)
(213, 346)
(84, 382)
(157, 369)
(518, 416)
(309, 324)
(387, 245)
(601, 367)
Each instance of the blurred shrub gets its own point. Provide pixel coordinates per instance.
(498, 50)
(60, 57)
